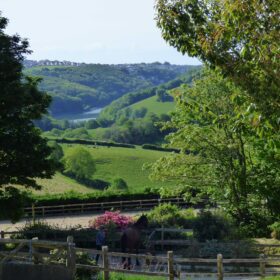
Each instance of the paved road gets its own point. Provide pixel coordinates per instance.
(61, 221)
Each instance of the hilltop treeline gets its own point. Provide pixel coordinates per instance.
(77, 88)
(114, 111)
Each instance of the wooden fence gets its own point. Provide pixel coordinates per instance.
(79, 208)
(168, 266)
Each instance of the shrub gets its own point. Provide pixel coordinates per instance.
(111, 218)
(94, 143)
(81, 258)
(12, 201)
(57, 154)
(208, 226)
(275, 230)
(258, 226)
(81, 273)
(71, 197)
(170, 215)
(119, 184)
(82, 237)
(159, 148)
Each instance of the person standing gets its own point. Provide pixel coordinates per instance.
(100, 241)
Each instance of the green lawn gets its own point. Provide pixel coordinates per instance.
(154, 106)
(111, 163)
(60, 184)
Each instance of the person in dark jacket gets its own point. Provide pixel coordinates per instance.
(100, 241)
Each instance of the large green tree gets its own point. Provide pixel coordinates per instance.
(79, 163)
(239, 38)
(24, 155)
(222, 155)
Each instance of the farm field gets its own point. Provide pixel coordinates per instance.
(111, 163)
(153, 106)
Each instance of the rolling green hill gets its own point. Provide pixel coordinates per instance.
(133, 117)
(113, 111)
(110, 163)
(78, 88)
(154, 106)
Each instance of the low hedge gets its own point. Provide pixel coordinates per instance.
(159, 148)
(73, 197)
(92, 143)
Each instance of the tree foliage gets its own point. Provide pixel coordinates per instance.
(222, 155)
(79, 163)
(23, 153)
(240, 38)
(78, 88)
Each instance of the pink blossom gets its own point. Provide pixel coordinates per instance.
(115, 218)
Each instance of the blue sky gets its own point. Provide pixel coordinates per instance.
(92, 31)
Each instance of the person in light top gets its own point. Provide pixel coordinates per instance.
(100, 241)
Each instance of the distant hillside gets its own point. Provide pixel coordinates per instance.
(123, 104)
(154, 106)
(78, 87)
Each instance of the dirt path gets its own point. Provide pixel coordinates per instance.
(61, 221)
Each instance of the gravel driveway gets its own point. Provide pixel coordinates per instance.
(61, 221)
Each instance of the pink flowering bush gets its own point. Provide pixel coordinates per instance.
(110, 219)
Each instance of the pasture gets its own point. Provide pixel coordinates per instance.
(111, 163)
(153, 106)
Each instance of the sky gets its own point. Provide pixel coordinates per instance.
(91, 31)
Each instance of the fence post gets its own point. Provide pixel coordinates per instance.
(2, 234)
(220, 267)
(71, 255)
(162, 237)
(262, 265)
(34, 251)
(105, 262)
(170, 265)
(33, 213)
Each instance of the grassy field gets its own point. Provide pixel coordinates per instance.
(60, 184)
(154, 106)
(111, 163)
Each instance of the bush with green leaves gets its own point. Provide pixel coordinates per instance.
(57, 151)
(57, 154)
(81, 273)
(79, 163)
(119, 184)
(275, 230)
(83, 237)
(208, 226)
(170, 215)
(93, 143)
(81, 258)
(9, 198)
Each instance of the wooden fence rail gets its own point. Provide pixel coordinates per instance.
(98, 207)
(169, 266)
